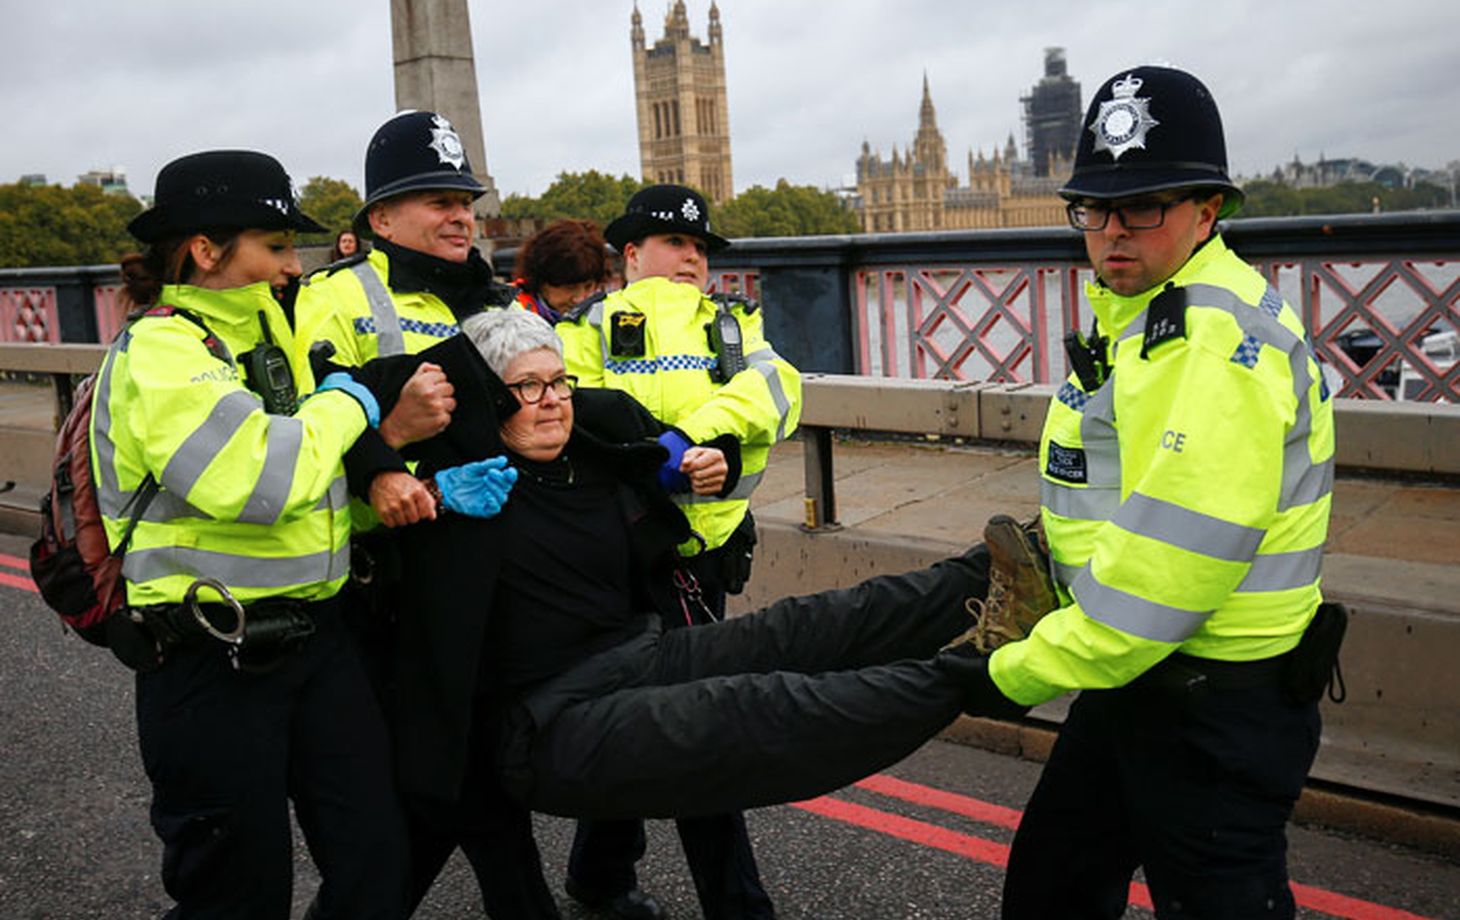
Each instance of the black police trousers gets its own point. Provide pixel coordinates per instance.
(228, 751)
(494, 833)
(1190, 780)
(716, 848)
(793, 701)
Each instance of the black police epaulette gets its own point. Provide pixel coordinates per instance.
(499, 295)
(338, 264)
(580, 309)
(732, 298)
(1165, 318)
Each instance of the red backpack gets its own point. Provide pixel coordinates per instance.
(79, 576)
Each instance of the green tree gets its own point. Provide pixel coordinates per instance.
(42, 225)
(786, 210)
(590, 195)
(1266, 198)
(332, 202)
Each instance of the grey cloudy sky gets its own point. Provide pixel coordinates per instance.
(97, 83)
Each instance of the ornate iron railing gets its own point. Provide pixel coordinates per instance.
(1379, 294)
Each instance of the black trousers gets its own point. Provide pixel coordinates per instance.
(492, 829)
(227, 752)
(1192, 782)
(716, 848)
(795, 700)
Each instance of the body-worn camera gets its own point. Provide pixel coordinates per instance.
(626, 335)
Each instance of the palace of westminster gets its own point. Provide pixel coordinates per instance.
(684, 136)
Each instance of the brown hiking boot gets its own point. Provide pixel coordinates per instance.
(1020, 588)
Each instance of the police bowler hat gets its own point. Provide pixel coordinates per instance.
(664, 209)
(221, 190)
(1149, 129)
(415, 152)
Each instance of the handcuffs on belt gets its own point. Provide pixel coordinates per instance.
(232, 636)
(278, 631)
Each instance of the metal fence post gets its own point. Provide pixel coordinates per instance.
(820, 481)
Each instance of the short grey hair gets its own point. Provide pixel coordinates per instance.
(503, 334)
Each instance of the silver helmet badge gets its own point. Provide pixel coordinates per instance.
(1122, 122)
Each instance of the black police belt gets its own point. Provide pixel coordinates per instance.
(1188, 672)
(258, 635)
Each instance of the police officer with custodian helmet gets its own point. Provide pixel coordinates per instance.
(409, 292)
(412, 290)
(1186, 478)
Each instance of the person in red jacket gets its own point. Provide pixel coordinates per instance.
(559, 267)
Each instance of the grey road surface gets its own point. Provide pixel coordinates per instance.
(75, 842)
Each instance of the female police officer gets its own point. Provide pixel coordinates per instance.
(248, 694)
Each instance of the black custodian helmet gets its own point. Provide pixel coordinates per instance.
(664, 209)
(412, 152)
(1149, 129)
(221, 190)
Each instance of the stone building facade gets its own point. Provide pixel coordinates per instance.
(914, 190)
(684, 121)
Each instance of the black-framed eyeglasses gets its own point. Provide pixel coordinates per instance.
(1146, 214)
(532, 390)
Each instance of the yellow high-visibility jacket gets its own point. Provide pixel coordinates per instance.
(1186, 499)
(254, 500)
(354, 308)
(758, 406)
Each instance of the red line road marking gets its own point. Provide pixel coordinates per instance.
(983, 812)
(18, 581)
(997, 854)
(1339, 905)
(15, 562)
(929, 835)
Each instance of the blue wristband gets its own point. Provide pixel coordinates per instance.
(348, 385)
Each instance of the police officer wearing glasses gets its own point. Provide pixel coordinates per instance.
(1186, 477)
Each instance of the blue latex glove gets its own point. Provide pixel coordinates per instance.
(670, 478)
(343, 382)
(477, 489)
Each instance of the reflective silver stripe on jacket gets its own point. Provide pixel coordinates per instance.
(763, 360)
(1304, 481)
(389, 338)
(1065, 573)
(109, 496)
(742, 491)
(276, 480)
(1283, 571)
(336, 497)
(1134, 615)
(1099, 498)
(208, 440)
(1189, 530)
(595, 320)
(143, 565)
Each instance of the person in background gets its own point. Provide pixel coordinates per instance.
(250, 696)
(702, 367)
(1187, 475)
(347, 243)
(559, 267)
